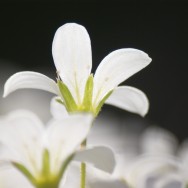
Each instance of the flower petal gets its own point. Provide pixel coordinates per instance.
(95, 178)
(173, 180)
(100, 156)
(29, 79)
(156, 140)
(145, 167)
(63, 137)
(72, 57)
(130, 99)
(116, 68)
(58, 110)
(11, 178)
(20, 135)
(108, 184)
(72, 176)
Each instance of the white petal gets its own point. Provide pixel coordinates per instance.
(108, 184)
(21, 134)
(29, 79)
(72, 176)
(58, 110)
(130, 99)
(158, 141)
(138, 172)
(11, 178)
(116, 68)
(64, 136)
(100, 156)
(148, 182)
(72, 57)
(171, 181)
(93, 175)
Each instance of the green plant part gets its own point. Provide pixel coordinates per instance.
(87, 103)
(46, 178)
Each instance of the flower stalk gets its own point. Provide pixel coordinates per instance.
(83, 176)
(83, 168)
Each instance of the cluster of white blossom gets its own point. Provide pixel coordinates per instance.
(62, 153)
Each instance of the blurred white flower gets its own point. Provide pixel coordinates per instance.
(42, 153)
(154, 171)
(156, 140)
(150, 162)
(157, 165)
(78, 90)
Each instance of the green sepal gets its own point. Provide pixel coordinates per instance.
(68, 99)
(87, 101)
(46, 179)
(53, 184)
(97, 110)
(60, 101)
(46, 163)
(25, 172)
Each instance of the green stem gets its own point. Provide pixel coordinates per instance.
(83, 169)
(83, 176)
(48, 185)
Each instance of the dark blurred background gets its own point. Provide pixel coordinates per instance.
(160, 29)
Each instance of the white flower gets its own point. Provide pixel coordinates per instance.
(158, 141)
(42, 153)
(156, 166)
(147, 173)
(143, 161)
(78, 89)
(154, 171)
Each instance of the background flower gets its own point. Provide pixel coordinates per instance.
(42, 153)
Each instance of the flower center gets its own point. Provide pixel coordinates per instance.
(46, 178)
(86, 105)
